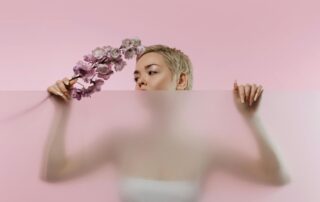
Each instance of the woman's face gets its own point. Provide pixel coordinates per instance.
(152, 73)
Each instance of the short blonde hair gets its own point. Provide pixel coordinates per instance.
(177, 61)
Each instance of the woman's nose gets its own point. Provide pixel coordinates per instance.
(141, 82)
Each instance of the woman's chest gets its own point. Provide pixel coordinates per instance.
(166, 159)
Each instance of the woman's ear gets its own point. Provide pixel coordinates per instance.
(182, 82)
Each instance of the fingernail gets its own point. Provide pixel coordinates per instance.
(62, 95)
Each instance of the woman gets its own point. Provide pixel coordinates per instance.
(152, 176)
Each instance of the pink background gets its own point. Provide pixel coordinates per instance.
(273, 42)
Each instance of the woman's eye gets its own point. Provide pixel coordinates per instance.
(135, 79)
(152, 72)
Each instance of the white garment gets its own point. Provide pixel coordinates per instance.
(134, 189)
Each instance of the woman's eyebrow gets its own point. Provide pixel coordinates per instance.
(146, 67)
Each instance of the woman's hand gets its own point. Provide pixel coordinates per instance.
(62, 88)
(246, 97)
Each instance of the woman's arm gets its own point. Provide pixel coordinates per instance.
(268, 168)
(58, 166)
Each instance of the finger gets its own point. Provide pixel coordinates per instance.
(252, 93)
(62, 87)
(56, 91)
(73, 81)
(69, 83)
(241, 93)
(235, 86)
(247, 89)
(60, 93)
(66, 81)
(258, 93)
(51, 90)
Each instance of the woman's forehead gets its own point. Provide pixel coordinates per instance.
(150, 58)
